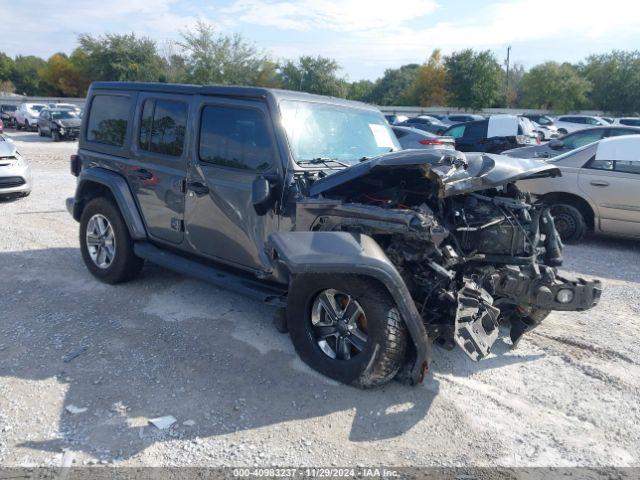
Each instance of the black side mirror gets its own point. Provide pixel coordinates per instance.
(261, 195)
(556, 144)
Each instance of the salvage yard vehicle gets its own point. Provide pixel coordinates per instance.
(15, 172)
(7, 113)
(27, 114)
(493, 135)
(371, 253)
(59, 124)
(598, 190)
(410, 137)
(571, 123)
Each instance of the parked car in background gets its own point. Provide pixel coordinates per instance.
(570, 142)
(396, 119)
(628, 121)
(410, 137)
(59, 124)
(457, 118)
(7, 114)
(426, 123)
(609, 120)
(15, 173)
(571, 123)
(544, 126)
(493, 135)
(64, 106)
(27, 115)
(599, 189)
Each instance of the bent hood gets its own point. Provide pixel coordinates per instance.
(454, 172)
(69, 122)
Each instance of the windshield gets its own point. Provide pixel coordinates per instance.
(63, 115)
(325, 131)
(37, 108)
(542, 120)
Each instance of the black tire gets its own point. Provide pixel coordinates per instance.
(569, 222)
(125, 264)
(40, 132)
(562, 131)
(55, 136)
(386, 343)
(18, 126)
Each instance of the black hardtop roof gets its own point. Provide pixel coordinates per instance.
(226, 91)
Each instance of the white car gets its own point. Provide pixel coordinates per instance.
(629, 121)
(599, 189)
(27, 115)
(571, 123)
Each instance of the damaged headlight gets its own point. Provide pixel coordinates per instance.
(564, 295)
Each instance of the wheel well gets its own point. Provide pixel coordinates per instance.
(575, 201)
(88, 192)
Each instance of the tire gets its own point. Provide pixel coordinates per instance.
(540, 137)
(383, 351)
(18, 126)
(40, 132)
(124, 264)
(562, 131)
(55, 136)
(569, 222)
(26, 125)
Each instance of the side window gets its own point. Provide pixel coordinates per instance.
(627, 166)
(163, 126)
(592, 121)
(235, 137)
(476, 130)
(456, 132)
(108, 119)
(582, 138)
(633, 122)
(399, 133)
(616, 132)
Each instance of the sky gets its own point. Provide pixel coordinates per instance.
(364, 36)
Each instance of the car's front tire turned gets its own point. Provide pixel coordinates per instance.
(569, 222)
(346, 327)
(105, 243)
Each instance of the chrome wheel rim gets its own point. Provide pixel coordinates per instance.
(101, 241)
(338, 324)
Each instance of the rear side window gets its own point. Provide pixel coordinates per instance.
(456, 132)
(108, 119)
(633, 122)
(163, 127)
(235, 137)
(476, 130)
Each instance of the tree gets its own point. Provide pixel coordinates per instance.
(64, 78)
(554, 86)
(516, 74)
(394, 86)
(360, 90)
(314, 75)
(430, 85)
(221, 59)
(615, 80)
(7, 86)
(118, 57)
(6, 66)
(25, 75)
(475, 79)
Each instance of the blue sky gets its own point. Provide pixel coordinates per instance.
(364, 36)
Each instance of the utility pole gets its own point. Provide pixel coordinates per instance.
(506, 95)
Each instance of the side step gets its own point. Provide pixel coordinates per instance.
(221, 278)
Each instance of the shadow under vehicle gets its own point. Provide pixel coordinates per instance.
(307, 203)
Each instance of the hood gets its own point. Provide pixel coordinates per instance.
(8, 150)
(69, 122)
(455, 172)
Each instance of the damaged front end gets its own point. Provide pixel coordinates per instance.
(474, 251)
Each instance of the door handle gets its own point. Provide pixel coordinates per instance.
(198, 188)
(144, 174)
(599, 183)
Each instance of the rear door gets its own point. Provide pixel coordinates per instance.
(157, 171)
(474, 138)
(614, 187)
(235, 145)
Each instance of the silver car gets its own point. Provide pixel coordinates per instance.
(27, 115)
(414, 138)
(572, 123)
(15, 173)
(599, 189)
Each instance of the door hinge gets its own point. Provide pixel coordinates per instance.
(177, 224)
(183, 186)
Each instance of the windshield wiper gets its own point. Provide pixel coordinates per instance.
(322, 161)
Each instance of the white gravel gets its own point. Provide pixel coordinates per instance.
(169, 345)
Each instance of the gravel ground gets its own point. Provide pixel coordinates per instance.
(169, 345)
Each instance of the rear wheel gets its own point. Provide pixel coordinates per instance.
(346, 327)
(107, 248)
(562, 131)
(569, 221)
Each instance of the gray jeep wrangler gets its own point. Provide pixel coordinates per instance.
(370, 253)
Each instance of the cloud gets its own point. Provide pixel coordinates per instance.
(336, 15)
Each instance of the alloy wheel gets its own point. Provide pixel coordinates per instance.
(101, 241)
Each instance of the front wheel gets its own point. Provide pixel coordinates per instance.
(105, 243)
(569, 222)
(347, 327)
(55, 136)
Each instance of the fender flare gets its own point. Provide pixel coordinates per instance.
(117, 185)
(343, 252)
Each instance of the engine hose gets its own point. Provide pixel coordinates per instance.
(552, 242)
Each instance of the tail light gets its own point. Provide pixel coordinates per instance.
(75, 165)
(431, 141)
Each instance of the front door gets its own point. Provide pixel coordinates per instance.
(235, 145)
(157, 171)
(614, 187)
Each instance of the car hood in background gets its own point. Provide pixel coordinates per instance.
(455, 173)
(69, 122)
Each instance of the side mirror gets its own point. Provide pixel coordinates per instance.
(556, 144)
(261, 195)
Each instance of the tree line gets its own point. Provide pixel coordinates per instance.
(467, 79)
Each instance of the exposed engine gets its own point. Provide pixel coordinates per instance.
(471, 261)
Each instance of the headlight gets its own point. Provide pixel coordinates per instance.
(61, 130)
(564, 295)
